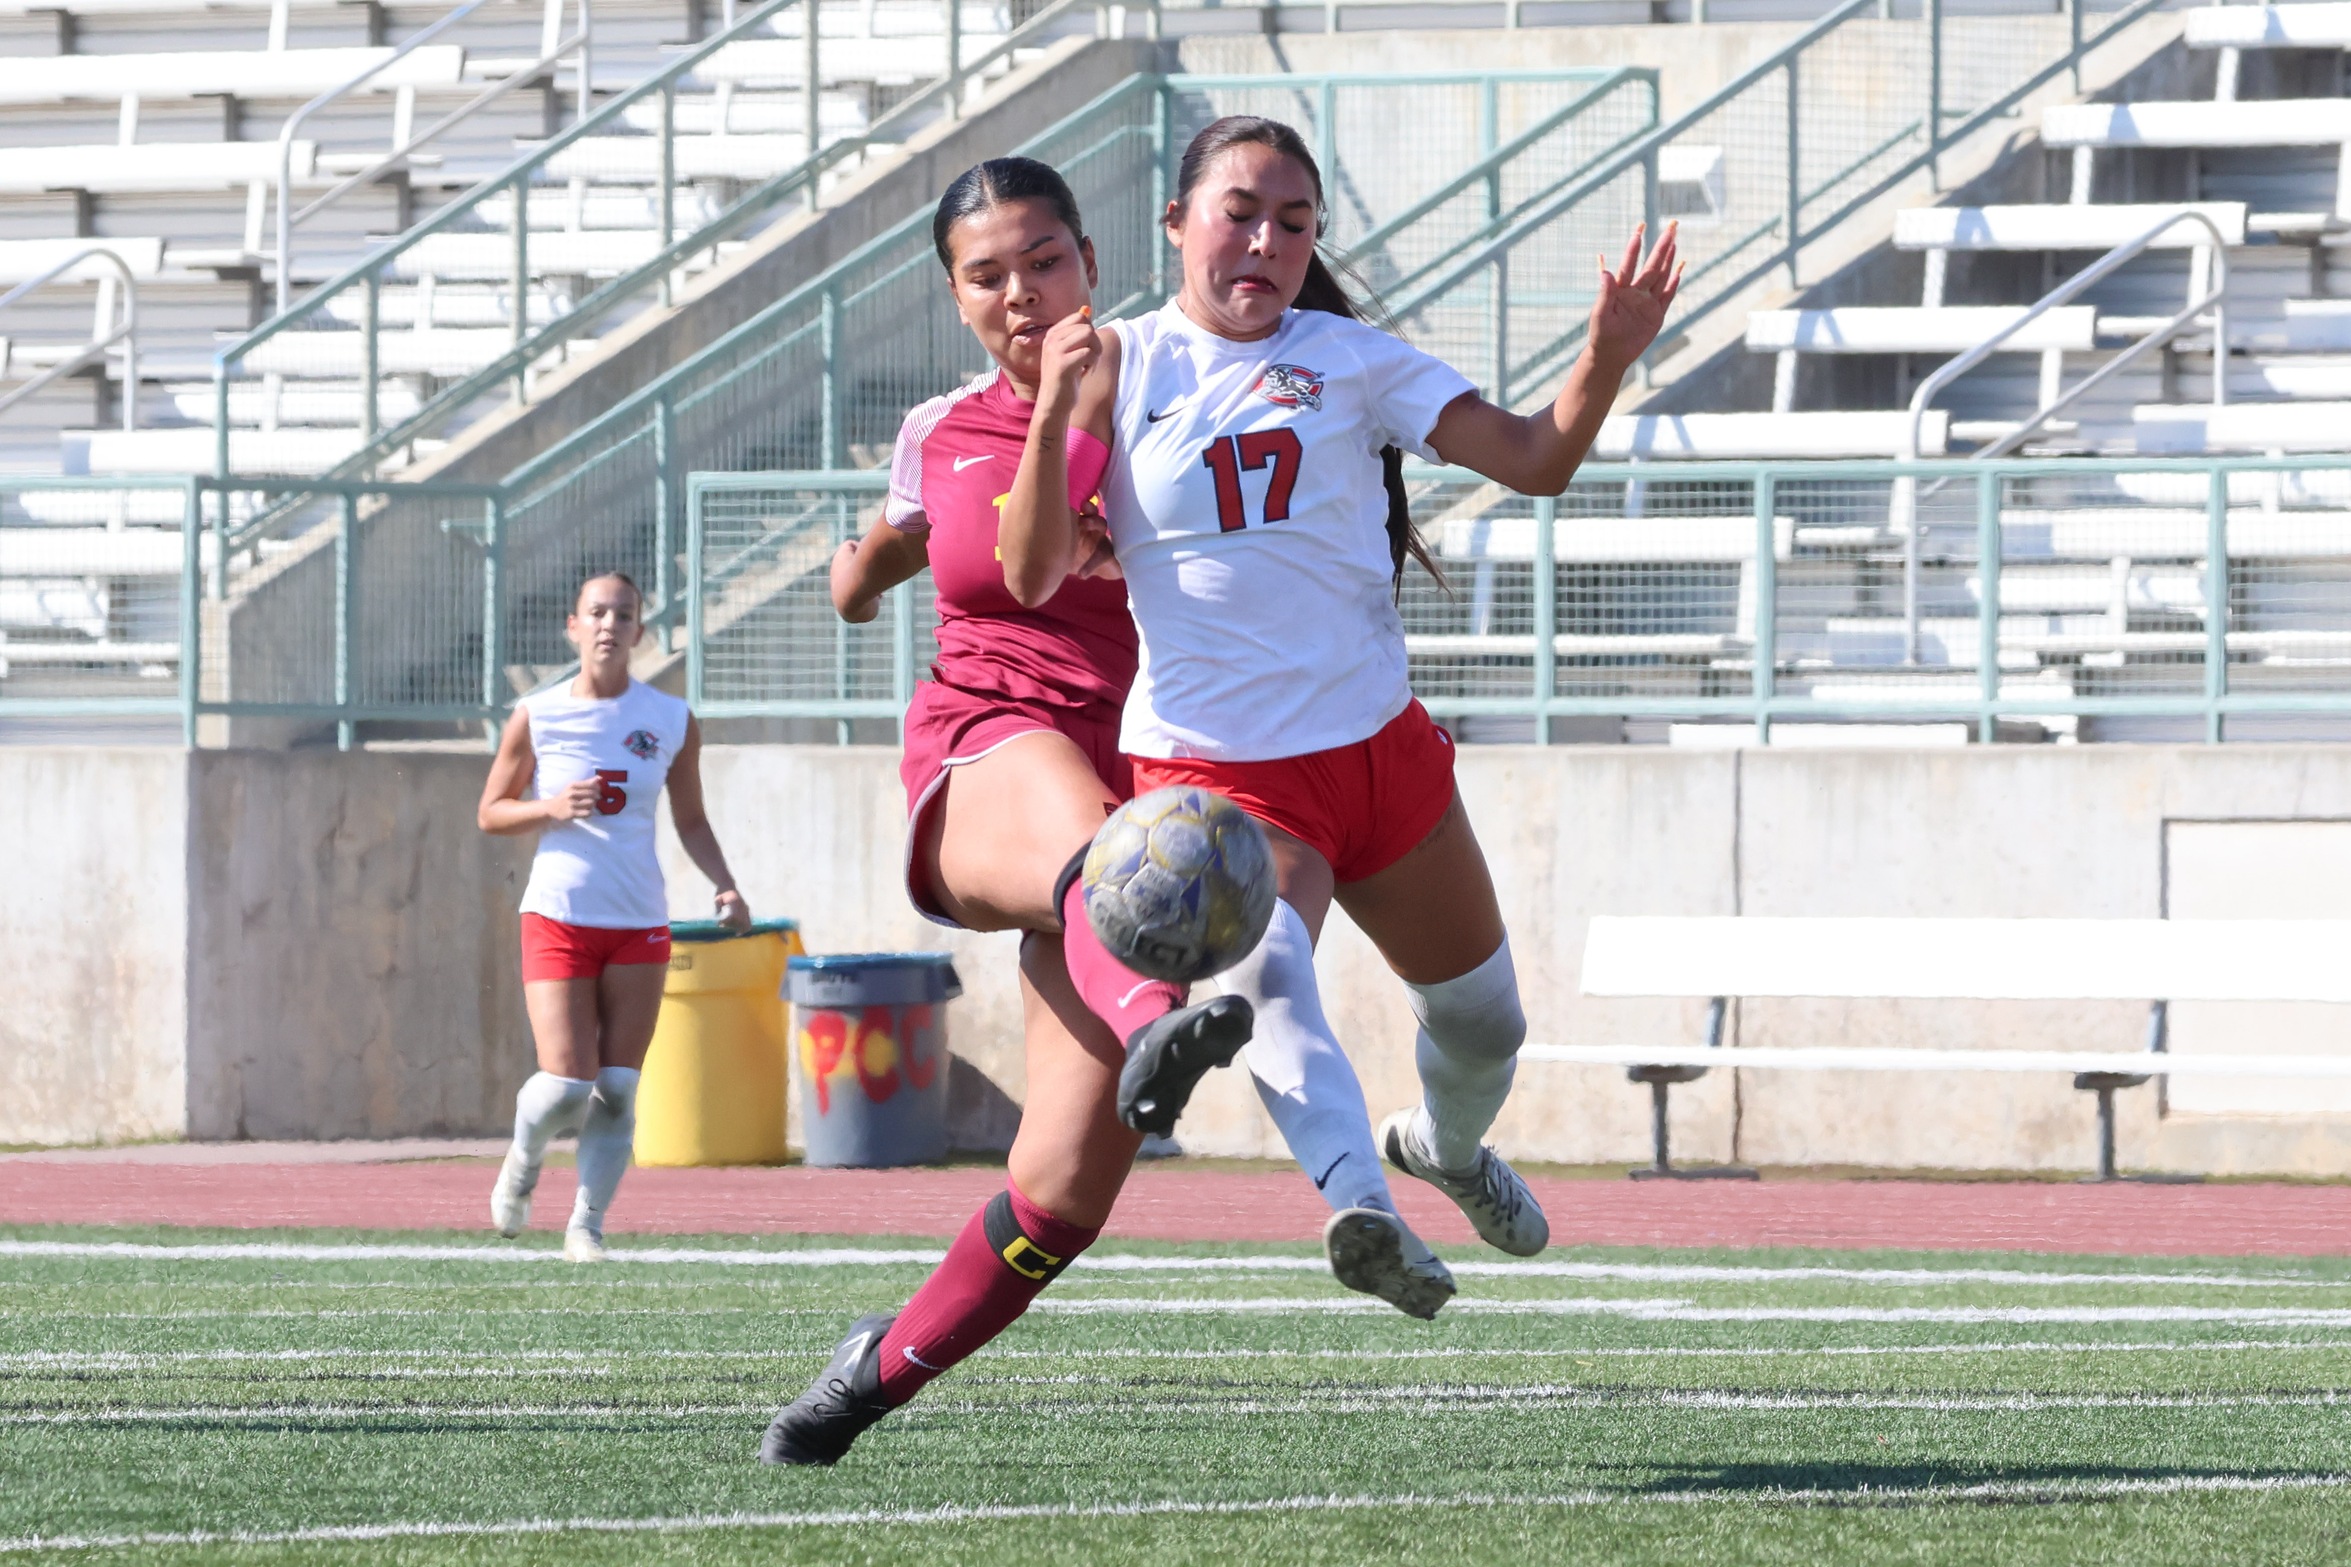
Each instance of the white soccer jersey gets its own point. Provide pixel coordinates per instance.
(1245, 501)
(602, 870)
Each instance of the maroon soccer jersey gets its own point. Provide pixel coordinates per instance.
(950, 477)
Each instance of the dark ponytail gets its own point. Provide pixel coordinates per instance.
(1323, 290)
(991, 184)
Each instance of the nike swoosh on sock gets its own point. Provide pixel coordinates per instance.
(1326, 1175)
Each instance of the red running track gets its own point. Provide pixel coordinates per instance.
(1198, 1205)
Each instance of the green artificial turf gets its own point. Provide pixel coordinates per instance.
(1185, 1403)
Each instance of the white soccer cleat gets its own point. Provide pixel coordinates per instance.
(510, 1199)
(1489, 1193)
(583, 1246)
(1378, 1254)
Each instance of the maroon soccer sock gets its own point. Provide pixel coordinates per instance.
(1111, 991)
(1008, 1252)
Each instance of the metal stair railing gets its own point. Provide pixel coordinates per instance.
(1787, 178)
(580, 42)
(530, 346)
(2208, 306)
(102, 342)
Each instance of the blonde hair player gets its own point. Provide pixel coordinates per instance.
(583, 765)
(1255, 502)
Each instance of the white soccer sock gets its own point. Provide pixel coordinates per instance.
(1306, 1081)
(605, 1145)
(545, 1105)
(1470, 1031)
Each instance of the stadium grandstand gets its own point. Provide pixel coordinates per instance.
(356, 269)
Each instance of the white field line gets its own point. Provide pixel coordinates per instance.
(1672, 1310)
(526, 1362)
(1131, 1262)
(1990, 1491)
(1131, 1403)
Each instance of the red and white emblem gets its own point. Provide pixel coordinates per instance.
(1291, 386)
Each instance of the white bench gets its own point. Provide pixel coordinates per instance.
(2154, 961)
(783, 62)
(2269, 122)
(153, 169)
(1767, 436)
(2063, 227)
(636, 160)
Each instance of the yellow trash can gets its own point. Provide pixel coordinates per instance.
(713, 1089)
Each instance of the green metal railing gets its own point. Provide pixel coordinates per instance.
(650, 281)
(2105, 590)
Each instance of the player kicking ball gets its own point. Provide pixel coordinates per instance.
(1255, 503)
(583, 766)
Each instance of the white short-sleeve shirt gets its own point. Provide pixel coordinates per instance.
(602, 870)
(1246, 504)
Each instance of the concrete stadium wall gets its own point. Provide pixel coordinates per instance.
(1574, 831)
(240, 944)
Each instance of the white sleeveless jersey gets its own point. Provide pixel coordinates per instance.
(1245, 502)
(602, 870)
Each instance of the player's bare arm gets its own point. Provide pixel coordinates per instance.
(865, 569)
(1042, 538)
(1537, 454)
(503, 811)
(695, 836)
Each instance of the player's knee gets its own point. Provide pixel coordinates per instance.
(1028, 1240)
(1476, 1015)
(616, 1092)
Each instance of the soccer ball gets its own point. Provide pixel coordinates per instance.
(1179, 884)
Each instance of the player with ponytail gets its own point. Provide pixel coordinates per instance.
(1255, 502)
(1011, 762)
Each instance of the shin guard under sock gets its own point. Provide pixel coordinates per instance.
(1008, 1252)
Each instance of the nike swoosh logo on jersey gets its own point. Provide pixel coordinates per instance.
(1153, 418)
(962, 463)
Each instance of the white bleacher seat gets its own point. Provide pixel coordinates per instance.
(2305, 376)
(1767, 436)
(636, 160)
(2308, 326)
(229, 73)
(441, 351)
(22, 260)
(153, 169)
(2167, 428)
(90, 552)
(2306, 26)
(1605, 541)
(490, 257)
(783, 62)
(2168, 533)
(2273, 122)
(301, 403)
(2064, 227)
(193, 450)
(1952, 329)
(166, 7)
(110, 507)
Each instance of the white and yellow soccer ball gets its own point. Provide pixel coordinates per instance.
(1179, 884)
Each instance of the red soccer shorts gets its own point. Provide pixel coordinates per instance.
(554, 950)
(1362, 807)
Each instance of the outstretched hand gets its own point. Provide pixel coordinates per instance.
(1634, 298)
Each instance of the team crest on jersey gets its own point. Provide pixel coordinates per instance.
(642, 744)
(1291, 386)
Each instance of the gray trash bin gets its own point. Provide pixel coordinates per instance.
(869, 1064)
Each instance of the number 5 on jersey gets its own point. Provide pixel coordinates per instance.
(1227, 455)
(611, 799)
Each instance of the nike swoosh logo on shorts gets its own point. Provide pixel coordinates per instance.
(962, 463)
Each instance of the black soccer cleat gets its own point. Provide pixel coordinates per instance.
(846, 1398)
(1169, 1055)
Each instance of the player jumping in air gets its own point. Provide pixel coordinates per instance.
(582, 765)
(1255, 502)
(1011, 763)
